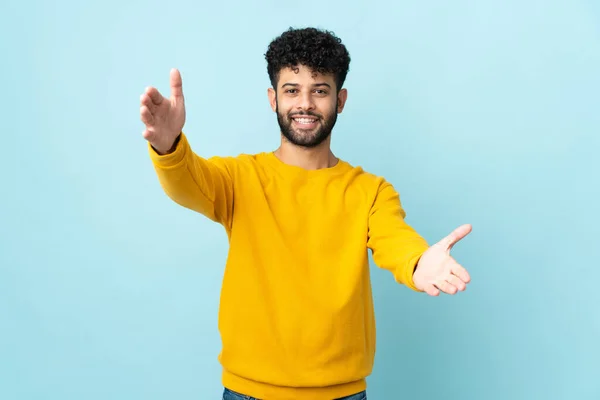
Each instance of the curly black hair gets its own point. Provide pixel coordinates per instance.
(317, 49)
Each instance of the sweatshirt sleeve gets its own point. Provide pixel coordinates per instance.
(395, 245)
(202, 185)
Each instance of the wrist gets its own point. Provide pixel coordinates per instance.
(170, 150)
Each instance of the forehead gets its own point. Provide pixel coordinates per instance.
(303, 75)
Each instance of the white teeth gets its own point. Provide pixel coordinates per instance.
(304, 120)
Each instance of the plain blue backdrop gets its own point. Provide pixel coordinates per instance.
(485, 112)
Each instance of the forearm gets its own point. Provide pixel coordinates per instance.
(400, 255)
(396, 246)
(192, 181)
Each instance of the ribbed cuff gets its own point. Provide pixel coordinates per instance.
(406, 275)
(171, 159)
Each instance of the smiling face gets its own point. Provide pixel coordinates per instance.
(307, 104)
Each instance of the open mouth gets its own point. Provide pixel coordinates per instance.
(305, 121)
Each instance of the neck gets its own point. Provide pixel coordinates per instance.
(312, 158)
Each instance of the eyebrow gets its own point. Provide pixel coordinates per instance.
(315, 85)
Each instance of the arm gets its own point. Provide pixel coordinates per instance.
(202, 185)
(395, 245)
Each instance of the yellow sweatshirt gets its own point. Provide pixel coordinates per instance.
(296, 312)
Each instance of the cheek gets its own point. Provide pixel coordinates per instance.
(283, 108)
(328, 107)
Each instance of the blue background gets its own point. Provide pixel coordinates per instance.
(483, 112)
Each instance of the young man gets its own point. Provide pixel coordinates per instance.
(296, 314)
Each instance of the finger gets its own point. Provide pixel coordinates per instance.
(446, 287)
(147, 135)
(456, 282)
(460, 272)
(146, 116)
(145, 100)
(459, 233)
(176, 84)
(154, 95)
(431, 290)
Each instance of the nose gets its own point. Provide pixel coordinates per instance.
(305, 102)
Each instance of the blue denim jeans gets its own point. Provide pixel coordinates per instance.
(231, 395)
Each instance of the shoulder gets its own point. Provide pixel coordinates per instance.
(367, 179)
(242, 159)
(242, 163)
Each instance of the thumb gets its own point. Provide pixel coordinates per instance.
(459, 233)
(176, 84)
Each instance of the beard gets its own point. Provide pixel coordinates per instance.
(307, 138)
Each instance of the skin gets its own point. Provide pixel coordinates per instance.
(437, 271)
(301, 91)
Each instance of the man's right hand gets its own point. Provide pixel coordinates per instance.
(164, 118)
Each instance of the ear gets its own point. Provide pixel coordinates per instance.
(272, 98)
(341, 100)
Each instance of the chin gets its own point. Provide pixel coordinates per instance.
(308, 141)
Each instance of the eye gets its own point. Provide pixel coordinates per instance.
(320, 91)
(291, 91)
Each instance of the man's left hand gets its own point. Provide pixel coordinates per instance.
(438, 271)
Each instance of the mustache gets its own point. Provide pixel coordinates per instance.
(306, 113)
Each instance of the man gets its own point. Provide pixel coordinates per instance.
(296, 313)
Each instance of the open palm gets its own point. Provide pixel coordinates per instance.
(437, 270)
(164, 118)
